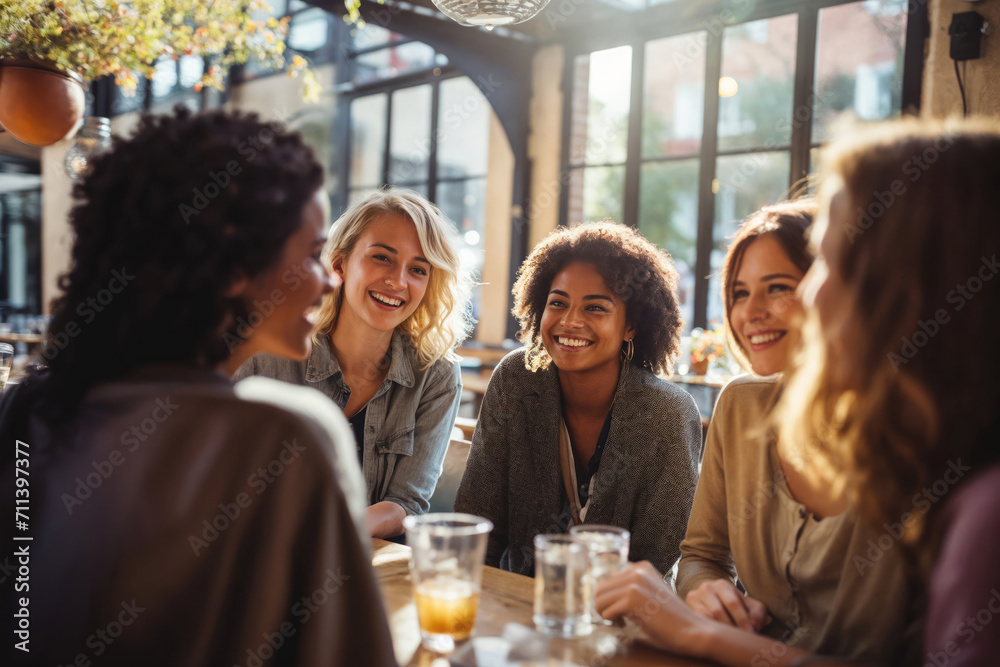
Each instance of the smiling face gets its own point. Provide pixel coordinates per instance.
(583, 324)
(765, 307)
(385, 276)
(282, 297)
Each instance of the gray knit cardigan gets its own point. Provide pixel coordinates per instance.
(645, 482)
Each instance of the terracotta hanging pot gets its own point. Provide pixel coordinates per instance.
(40, 104)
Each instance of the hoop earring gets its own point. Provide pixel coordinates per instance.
(629, 351)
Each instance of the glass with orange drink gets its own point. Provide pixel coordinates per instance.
(446, 563)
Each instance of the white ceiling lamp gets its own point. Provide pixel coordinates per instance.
(490, 13)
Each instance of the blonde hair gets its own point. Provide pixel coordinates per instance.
(441, 321)
(917, 390)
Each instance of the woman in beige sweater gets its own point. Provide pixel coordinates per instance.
(804, 562)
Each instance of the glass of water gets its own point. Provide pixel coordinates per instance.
(563, 596)
(6, 360)
(608, 553)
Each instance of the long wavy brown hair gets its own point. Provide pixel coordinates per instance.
(905, 389)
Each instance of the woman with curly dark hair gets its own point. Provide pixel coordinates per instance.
(577, 427)
(165, 502)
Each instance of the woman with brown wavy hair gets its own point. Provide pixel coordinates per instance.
(897, 389)
(891, 405)
(800, 584)
(752, 517)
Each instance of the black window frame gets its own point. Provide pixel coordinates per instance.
(711, 18)
(348, 92)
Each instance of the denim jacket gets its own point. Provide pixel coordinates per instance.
(408, 422)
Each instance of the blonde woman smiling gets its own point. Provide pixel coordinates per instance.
(384, 346)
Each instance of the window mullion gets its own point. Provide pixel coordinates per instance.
(387, 152)
(706, 199)
(432, 164)
(802, 102)
(342, 121)
(917, 29)
(566, 170)
(633, 154)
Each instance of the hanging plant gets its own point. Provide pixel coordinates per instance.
(125, 38)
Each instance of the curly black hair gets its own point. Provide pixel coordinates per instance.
(636, 271)
(163, 224)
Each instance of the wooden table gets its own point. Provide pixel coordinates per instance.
(29, 338)
(505, 598)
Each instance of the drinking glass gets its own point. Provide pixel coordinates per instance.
(6, 360)
(446, 563)
(563, 597)
(608, 547)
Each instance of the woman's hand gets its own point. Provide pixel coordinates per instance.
(721, 601)
(385, 519)
(639, 593)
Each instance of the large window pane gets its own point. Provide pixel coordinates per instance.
(165, 77)
(668, 216)
(355, 195)
(859, 63)
(600, 106)
(419, 188)
(316, 123)
(674, 96)
(371, 36)
(410, 137)
(127, 103)
(757, 84)
(173, 82)
(595, 193)
(463, 130)
(309, 31)
(393, 61)
(191, 67)
(744, 183)
(625, 5)
(464, 202)
(367, 140)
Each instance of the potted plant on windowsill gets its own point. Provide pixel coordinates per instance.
(706, 346)
(49, 49)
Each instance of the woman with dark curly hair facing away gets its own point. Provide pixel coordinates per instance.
(576, 426)
(791, 551)
(177, 519)
(384, 345)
